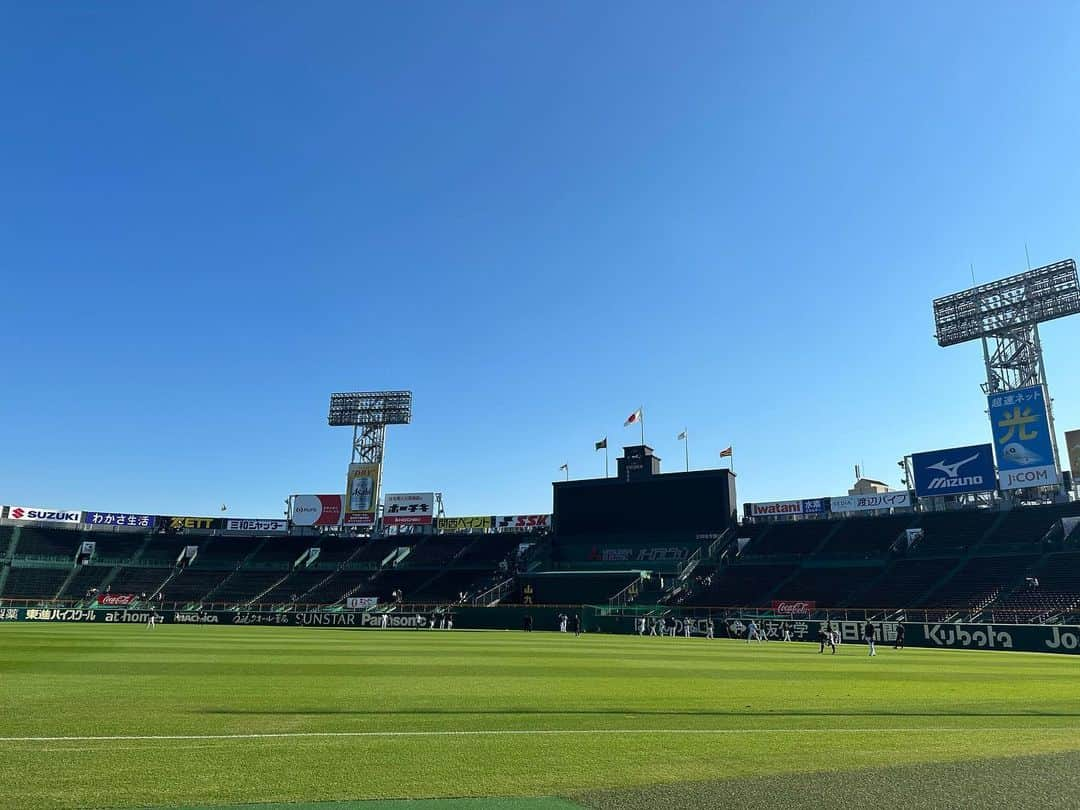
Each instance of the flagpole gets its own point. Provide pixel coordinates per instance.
(686, 445)
(606, 473)
(641, 410)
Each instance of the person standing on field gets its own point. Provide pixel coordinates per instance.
(899, 645)
(577, 625)
(869, 633)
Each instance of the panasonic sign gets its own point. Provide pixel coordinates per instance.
(954, 471)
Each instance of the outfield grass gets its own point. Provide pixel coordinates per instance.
(600, 721)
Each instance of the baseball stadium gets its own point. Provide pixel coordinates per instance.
(539, 406)
(646, 643)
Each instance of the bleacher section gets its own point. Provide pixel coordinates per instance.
(968, 561)
(572, 587)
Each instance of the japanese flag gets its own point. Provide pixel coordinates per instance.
(633, 418)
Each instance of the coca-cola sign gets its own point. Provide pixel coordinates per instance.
(116, 599)
(788, 607)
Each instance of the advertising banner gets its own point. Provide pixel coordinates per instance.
(358, 519)
(954, 471)
(115, 599)
(361, 602)
(256, 525)
(118, 519)
(1022, 440)
(315, 510)
(815, 506)
(362, 495)
(464, 524)
(35, 514)
(408, 509)
(175, 523)
(522, 523)
(790, 607)
(1072, 443)
(865, 503)
(775, 508)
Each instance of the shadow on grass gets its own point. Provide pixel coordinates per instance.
(345, 712)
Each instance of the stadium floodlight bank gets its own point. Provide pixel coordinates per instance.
(1024, 300)
(370, 408)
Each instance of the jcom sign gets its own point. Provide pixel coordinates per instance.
(1022, 440)
(954, 471)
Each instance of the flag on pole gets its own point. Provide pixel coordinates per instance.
(565, 467)
(633, 418)
(725, 453)
(681, 437)
(602, 444)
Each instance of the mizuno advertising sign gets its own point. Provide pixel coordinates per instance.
(954, 471)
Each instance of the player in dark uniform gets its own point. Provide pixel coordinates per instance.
(899, 645)
(825, 636)
(577, 624)
(870, 633)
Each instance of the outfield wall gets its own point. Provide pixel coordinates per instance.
(1019, 637)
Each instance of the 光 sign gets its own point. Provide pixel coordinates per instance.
(1022, 441)
(954, 471)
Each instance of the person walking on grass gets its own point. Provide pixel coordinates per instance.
(899, 645)
(577, 625)
(825, 636)
(870, 633)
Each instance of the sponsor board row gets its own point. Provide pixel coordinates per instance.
(1020, 637)
(1025, 638)
(370, 620)
(167, 523)
(820, 506)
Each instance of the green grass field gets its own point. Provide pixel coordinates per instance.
(212, 716)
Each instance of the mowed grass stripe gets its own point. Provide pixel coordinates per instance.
(381, 715)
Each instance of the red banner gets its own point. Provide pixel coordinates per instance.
(789, 607)
(115, 599)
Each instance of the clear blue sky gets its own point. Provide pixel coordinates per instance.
(535, 216)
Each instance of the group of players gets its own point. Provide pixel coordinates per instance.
(828, 636)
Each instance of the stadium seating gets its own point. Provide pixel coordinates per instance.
(868, 536)
(972, 561)
(34, 583)
(979, 581)
(791, 538)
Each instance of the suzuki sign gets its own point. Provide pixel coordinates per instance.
(954, 471)
(35, 514)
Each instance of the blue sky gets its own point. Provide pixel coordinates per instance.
(535, 216)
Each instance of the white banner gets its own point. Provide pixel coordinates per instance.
(408, 508)
(35, 514)
(361, 602)
(256, 525)
(866, 503)
(1029, 477)
(775, 508)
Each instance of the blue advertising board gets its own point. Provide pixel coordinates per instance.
(815, 506)
(124, 519)
(954, 471)
(1022, 441)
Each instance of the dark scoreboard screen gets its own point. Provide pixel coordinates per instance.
(698, 501)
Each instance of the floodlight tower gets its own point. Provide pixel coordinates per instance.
(368, 414)
(1005, 315)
